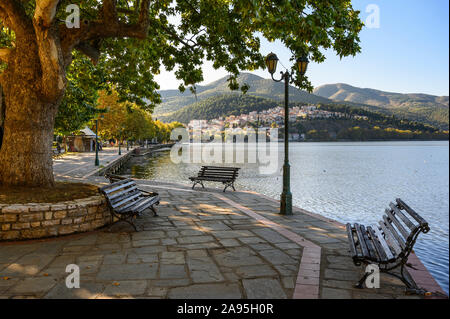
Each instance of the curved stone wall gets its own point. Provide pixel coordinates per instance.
(40, 220)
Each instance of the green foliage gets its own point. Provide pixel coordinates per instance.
(79, 104)
(183, 33)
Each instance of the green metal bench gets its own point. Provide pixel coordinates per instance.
(126, 201)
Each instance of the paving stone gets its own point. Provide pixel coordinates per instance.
(114, 259)
(134, 258)
(277, 257)
(229, 242)
(270, 235)
(194, 239)
(174, 258)
(33, 285)
(261, 246)
(86, 291)
(203, 269)
(263, 288)
(197, 253)
(171, 282)
(233, 259)
(200, 246)
(145, 242)
(232, 234)
(252, 240)
(157, 292)
(206, 291)
(172, 271)
(214, 225)
(288, 282)
(341, 275)
(255, 271)
(126, 288)
(128, 272)
(168, 241)
(332, 293)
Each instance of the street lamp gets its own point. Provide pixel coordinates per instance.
(302, 65)
(120, 137)
(97, 162)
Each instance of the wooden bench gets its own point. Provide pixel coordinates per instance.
(389, 243)
(126, 201)
(224, 175)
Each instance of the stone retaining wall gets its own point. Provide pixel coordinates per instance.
(39, 220)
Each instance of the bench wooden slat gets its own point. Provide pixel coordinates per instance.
(362, 242)
(404, 219)
(126, 200)
(351, 240)
(422, 222)
(390, 238)
(397, 224)
(122, 185)
(369, 243)
(113, 197)
(144, 204)
(399, 239)
(123, 196)
(113, 184)
(383, 243)
(127, 206)
(223, 168)
(378, 248)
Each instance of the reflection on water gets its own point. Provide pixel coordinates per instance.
(349, 182)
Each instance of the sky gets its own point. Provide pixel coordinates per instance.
(408, 52)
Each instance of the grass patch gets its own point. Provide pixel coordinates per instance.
(63, 191)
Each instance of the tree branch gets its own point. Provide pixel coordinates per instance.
(53, 81)
(71, 38)
(14, 17)
(5, 54)
(109, 11)
(45, 11)
(92, 50)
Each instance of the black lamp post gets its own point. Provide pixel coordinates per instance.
(302, 64)
(97, 162)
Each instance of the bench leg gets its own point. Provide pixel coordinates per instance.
(154, 211)
(362, 280)
(121, 219)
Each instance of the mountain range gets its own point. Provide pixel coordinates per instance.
(425, 108)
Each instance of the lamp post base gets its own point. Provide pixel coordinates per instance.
(286, 204)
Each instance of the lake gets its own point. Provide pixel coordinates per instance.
(348, 182)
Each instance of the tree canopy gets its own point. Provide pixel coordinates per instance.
(180, 34)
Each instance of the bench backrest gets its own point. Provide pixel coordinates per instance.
(121, 193)
(219, 172)
(401, 225)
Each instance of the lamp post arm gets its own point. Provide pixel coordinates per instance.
(283, 76)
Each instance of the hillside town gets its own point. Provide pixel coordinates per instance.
(271, 117)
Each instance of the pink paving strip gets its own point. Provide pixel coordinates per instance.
(308, 278)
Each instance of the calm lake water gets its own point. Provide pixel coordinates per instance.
(348, 182)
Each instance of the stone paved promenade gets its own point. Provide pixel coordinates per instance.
(203, 244)
(82, 165)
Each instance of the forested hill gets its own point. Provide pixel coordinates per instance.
(221, 105)
(174, 100)
(416, 107)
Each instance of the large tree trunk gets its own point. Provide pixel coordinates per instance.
(26, 151)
